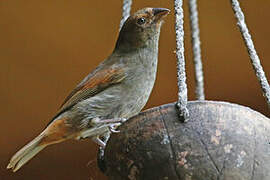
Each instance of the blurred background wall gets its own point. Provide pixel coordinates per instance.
(47, 47)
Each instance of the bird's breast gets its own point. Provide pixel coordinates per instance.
(139, 85)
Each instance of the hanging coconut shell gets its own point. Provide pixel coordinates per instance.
(220, 141)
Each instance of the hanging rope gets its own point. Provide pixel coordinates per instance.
(197, 59)
(251, 50)
(125, 11)
(181, 74)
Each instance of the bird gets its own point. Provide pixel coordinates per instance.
(117, 89)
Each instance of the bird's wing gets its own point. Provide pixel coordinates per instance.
(93, 84)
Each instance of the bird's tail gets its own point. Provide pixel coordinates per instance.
(56, 132)
(26, 153)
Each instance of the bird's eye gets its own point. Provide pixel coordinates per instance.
(141, 21)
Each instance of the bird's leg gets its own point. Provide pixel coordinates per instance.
(100, 126)
(107, 121)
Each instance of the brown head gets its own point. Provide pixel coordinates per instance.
(141, 29)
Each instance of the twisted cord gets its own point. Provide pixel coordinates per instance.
(251, 50)
(125, 11)
(181, 74)
(197, 59)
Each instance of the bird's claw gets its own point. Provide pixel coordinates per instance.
(113, 128)
(99, 142)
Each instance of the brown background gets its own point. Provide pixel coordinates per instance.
(47, 47)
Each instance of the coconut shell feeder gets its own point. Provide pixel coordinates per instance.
(193, 140)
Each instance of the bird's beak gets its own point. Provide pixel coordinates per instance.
(160, 13)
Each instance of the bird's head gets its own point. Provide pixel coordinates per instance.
(141, 29)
